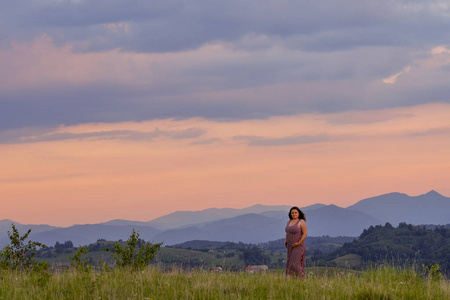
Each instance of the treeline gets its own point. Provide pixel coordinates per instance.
(59, 247)
(201, 245)
(262, 253)
(315, 245)
(67, 247)
(403, 245)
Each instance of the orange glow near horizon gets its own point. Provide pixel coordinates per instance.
(351, 156)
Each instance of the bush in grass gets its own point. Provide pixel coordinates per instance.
(20, 255)
(433, 271)
(78, 263)
(137, 254)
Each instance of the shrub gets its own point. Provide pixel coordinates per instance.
(19, 255)
(433, 271)
(78, 263)
(137, 254)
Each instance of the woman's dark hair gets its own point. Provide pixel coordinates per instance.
(301, 215)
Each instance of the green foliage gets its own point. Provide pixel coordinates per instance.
(78, 263)
(137, 254)
(404, 245)
(202, 245)
(255, 256)
(433, 271)
(60, 247)
(152, 283)
(19, 254)
(314, 244)
(104, 266)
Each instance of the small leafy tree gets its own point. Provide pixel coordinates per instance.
(60, 247)
(255, 256)
(78, 263)
(137, 254)
(433, 271)
(19, 255)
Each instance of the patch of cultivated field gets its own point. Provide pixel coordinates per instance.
(321, 283)
(349, 260)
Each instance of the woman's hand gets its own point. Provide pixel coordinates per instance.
(285, 244)
(295, 245)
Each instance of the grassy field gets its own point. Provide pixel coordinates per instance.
(174, 256)
(166, 256)
(227, 259)
(348, 261)
(321, 283)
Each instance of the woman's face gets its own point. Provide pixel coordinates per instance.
(294, 214)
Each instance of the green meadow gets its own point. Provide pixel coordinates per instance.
(125, 272)
(154, 283)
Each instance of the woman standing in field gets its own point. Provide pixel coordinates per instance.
(296, 233)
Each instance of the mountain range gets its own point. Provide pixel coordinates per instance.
(255, 224)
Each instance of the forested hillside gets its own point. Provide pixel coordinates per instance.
(404, 245)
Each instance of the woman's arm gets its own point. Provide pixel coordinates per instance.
(302, 225)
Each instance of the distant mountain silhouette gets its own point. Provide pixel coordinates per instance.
(120, 222)
(5, 226)
(255, 224)
(254, 228)
(333, 220)
(429, 208)
(190, 218)
(248, 228)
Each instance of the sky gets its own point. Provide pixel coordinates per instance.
(127, 109)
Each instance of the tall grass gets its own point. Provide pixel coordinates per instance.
(321, 283)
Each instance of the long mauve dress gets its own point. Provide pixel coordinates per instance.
(295, 264)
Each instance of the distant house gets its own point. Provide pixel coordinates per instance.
(216, 269)
(257, 268)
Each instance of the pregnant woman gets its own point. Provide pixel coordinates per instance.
(296, 233)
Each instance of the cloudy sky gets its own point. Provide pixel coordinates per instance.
(134, 109)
